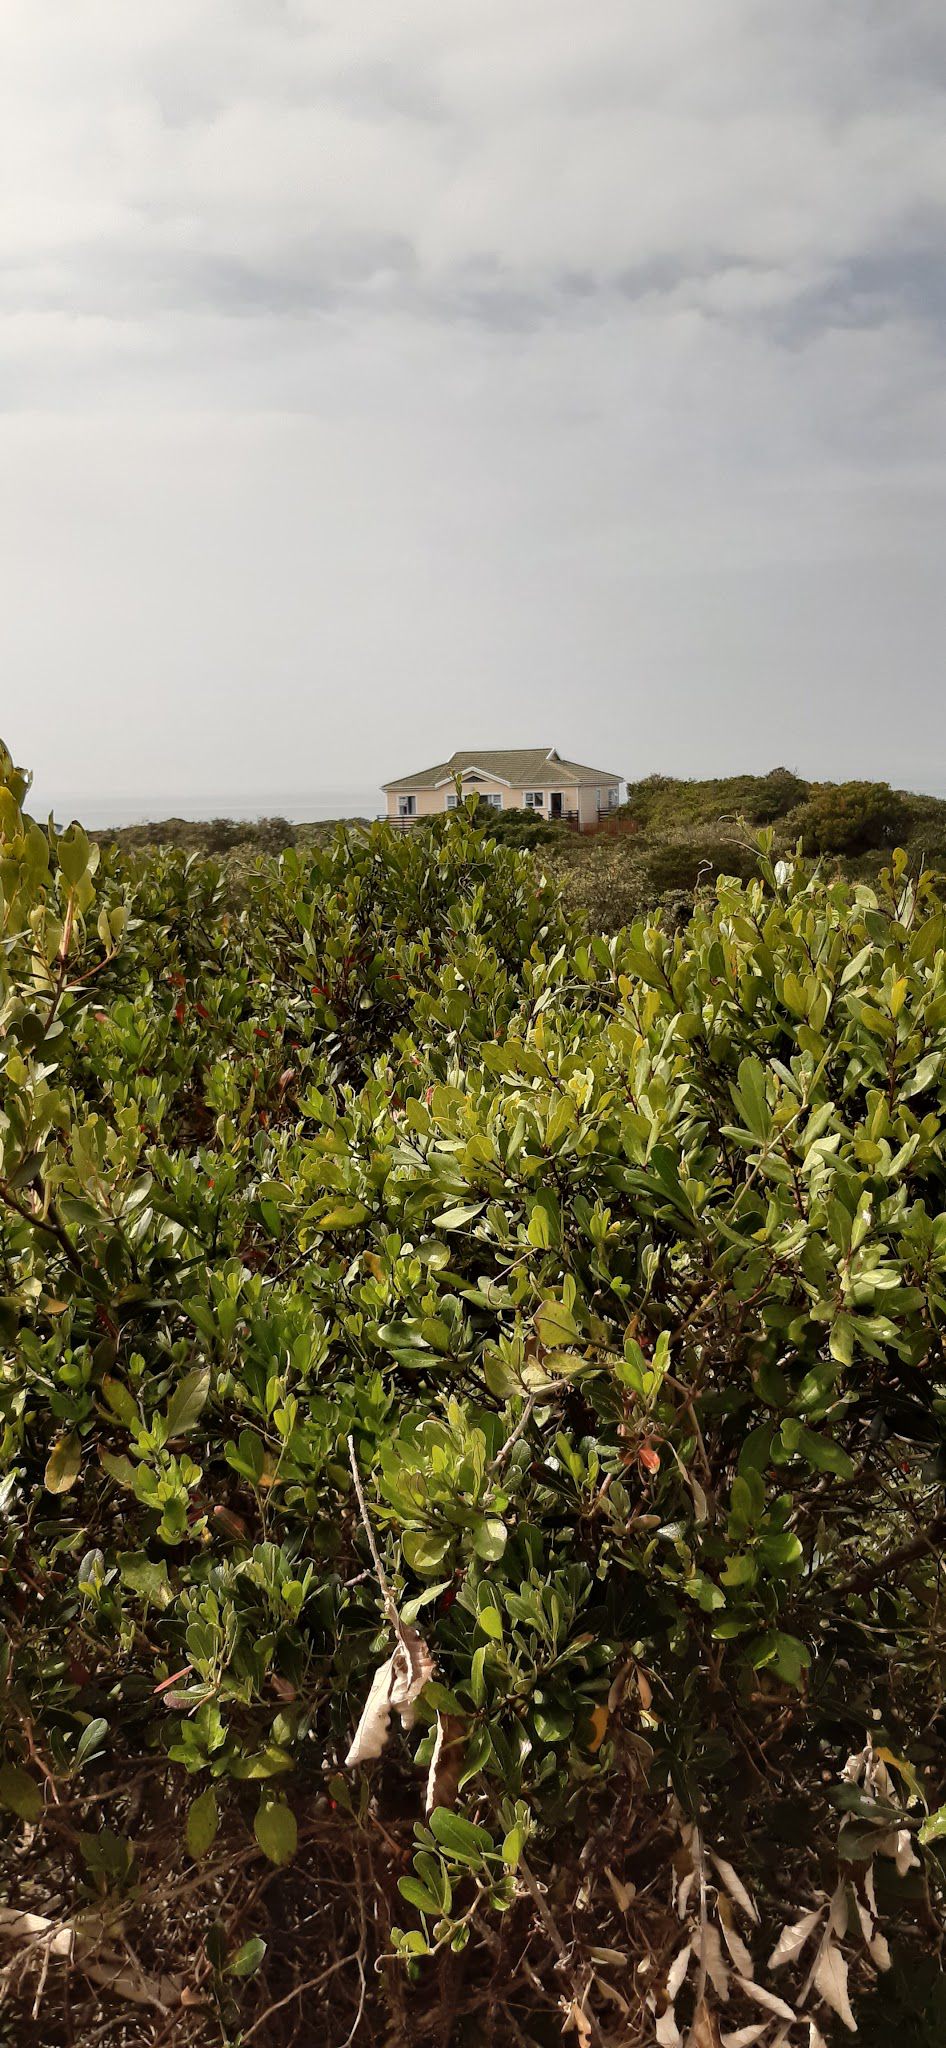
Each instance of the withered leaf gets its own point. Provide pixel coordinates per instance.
(446, 1763)
(792, 1939)
(395, 1686)
(830, 1981)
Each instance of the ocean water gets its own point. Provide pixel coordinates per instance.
(301, 808)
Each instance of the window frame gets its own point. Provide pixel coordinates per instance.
(407, 805)
(533, 799)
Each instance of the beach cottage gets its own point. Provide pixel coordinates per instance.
(510, 778)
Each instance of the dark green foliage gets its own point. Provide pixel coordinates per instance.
(623, 1264)
(663, 803)
(850, 817)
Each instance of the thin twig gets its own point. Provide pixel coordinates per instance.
(312, 1984)
(533, 1400)
(380, 1573)
(700, 1992)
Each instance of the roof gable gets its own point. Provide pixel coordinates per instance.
(517, 767)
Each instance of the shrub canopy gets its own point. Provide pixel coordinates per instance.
(617, 1266)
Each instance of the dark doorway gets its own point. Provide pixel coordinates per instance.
(555, 803)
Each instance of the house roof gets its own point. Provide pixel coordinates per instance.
(519, 767)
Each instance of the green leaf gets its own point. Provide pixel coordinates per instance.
(346, 1216)
(118, 1468)
(740, 1570)
(187, 1402)
(72, 851)
(203, 1820)
(424, 1551)
(489, 1539)
(934, 1827)
(556, 1325)
(62, 1465)
(751, 1098)
(459, 1837)
(121, 1401)
(247, 1959)
(275, 1829)
(478, 1676)
(417, 1895)
(780, 1653)
(824, 1455)
(458, 1217)
(19, 1793)
(145, 1577)
(90, 1742)
(512, 1848)
(553, 1722)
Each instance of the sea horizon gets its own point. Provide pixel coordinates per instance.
(98, 813)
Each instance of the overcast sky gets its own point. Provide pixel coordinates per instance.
(382, 375)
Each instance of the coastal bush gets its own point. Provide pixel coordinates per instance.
(663, 804)
(414, 1299)
(849, 817)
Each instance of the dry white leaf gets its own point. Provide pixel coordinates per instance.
(446, 1763)
(904, 1853)
(700, 1504)
(608, 1991)
(677, 1972)
(686, 1886)
(830, 1982)
(624, 1893)
(577, 2022)
(733, 1939)
(666, 2032)
(704, 2032)
(792, 1939)
(744, 2036)
(396, 1684)
(815, 2036)
(734, 1885)
(618, 1686)
(869, 1892)
(760, 1996)
(837, 1909)
(15, 1926)
(880, 1951)
(163, 1993)
(706, 1947)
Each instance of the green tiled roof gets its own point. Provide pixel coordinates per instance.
(521, 767)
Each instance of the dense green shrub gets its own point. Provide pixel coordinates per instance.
(849, 817)
(618, 1268)
(665, 803)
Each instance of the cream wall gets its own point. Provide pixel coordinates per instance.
(427, 801)
(583, 799)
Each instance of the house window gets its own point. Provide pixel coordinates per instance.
(613, 794)
(452, 800)
(407, 806)
(535, 799)
(494, 798)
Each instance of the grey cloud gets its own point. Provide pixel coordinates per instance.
(360, 363)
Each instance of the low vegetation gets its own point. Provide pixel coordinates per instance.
(472, 1404)
(667, 842)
